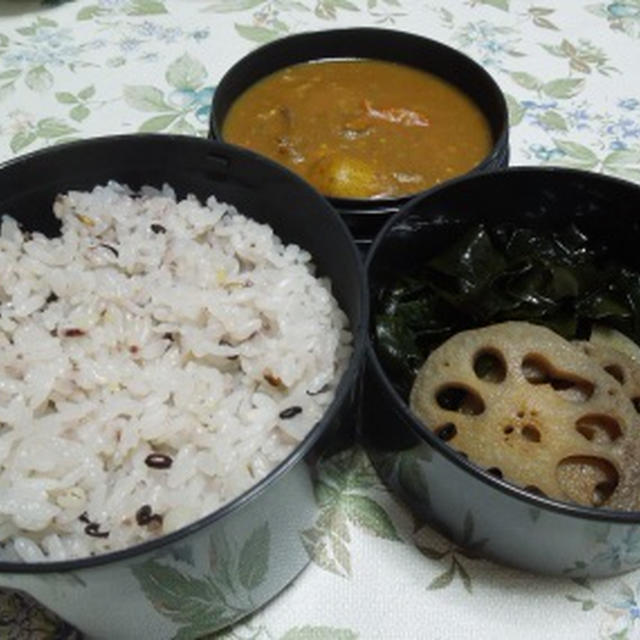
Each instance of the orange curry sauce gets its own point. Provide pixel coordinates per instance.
(361, 128)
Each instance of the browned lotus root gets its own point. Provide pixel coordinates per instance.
(619, 365)
(532, 407)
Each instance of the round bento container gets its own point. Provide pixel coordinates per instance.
(487, 515)
(213, 572)
(365, 216)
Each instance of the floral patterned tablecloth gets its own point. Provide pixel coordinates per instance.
(571, 73)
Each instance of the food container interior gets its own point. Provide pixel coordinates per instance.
(282, 501)
(190, 166)
(458, 497)
(537, 198)
(366, 216)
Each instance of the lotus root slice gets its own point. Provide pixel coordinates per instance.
(619, 365)
(535, 409)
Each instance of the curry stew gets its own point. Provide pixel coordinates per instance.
(361, 128)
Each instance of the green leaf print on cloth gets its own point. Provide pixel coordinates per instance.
(232, 6)
(145, 98)
(561, 88)
(471, 549)
(540, 17)
(259, 34)
(622, 16)
(623, 163)
(445, 579)
(319, 633)
(181, 109)
(620, 609)
(39, 78)
(128, 8)
(34, 54)
(48, 130)
(583, 57)
(186, 73)
(272, 19)
(80, 109)
(340, 492)
(498, 4)
(251, 630)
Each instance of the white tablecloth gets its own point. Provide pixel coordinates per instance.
(571, 72)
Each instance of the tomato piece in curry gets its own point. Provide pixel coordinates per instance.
(361, 128)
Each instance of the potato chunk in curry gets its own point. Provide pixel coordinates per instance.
(347, 176)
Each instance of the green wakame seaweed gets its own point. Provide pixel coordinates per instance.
(503, 273)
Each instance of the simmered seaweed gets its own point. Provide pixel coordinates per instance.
(558, 279)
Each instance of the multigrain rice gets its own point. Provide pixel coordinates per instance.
(157, 359)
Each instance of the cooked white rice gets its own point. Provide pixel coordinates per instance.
(150, 327)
